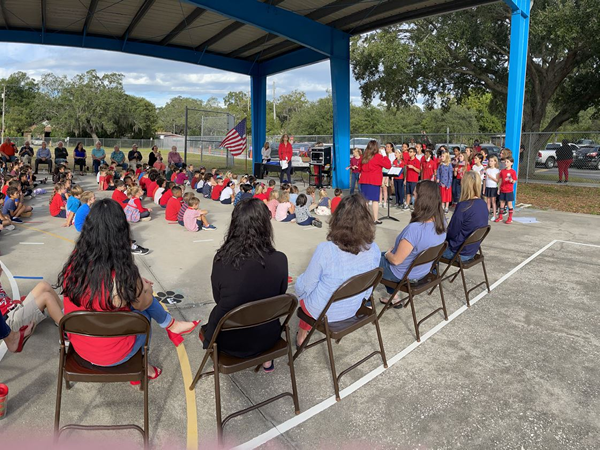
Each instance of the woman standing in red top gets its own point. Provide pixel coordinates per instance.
(285, 154)
(97, 277)
(371, 175)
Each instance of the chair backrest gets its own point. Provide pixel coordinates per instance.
(356, 285)
(432, 256)
(476, 236)
(258, 312)
(104, 324)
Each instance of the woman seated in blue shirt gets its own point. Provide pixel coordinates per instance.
(427, 228)
(350, 250)
(80, 156)
(471, 213)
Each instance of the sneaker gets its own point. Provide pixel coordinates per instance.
(411, 207)
(446, 210)
(498, 219)
(405, 207)
(559, 181)
(317, 223)
(17, 220)
(378, 222)
(209, 227)
(138, 250)
(146, 219)
(9, 227)
(509, 221)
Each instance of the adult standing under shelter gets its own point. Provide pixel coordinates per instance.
(285, 158)
(564, 158)
(371, 176)
(60, 153)
(134, 156)
(98, 156)
(26, 153)
(43, 156)
(8, 151)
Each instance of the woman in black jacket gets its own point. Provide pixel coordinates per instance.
(245, 269)
(564, 158)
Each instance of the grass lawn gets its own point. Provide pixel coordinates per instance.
(576, 179)
(207, 161)
(560, 198)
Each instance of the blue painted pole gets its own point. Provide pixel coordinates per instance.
(517, 69)
(340, 92)
(259, 116)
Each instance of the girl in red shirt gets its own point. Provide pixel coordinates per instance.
(112, 283)
(371, 175)
(164, 199)
(57, 204)
(354, 168)
(285, 154)
(399, 180)
(261, 193)
(134, 210)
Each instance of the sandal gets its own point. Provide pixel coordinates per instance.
(271, 368)
(397, 304)
(157, 373)
(22, 338)
(177, 338)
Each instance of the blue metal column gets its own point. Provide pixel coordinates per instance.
(517, 69)
(259, 116)
(340, 92)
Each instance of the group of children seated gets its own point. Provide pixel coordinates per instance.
(18, 183)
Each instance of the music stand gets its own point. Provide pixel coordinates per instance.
(390, 177)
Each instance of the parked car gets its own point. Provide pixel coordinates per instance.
(547, 157)
(450, 147)
(588, 158)
(492, 150)
(360, 142)
(586, 143)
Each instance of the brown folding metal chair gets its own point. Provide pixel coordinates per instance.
(73, 368)
(476, 236)
(413, 288)
(247, 316)
(337, 330)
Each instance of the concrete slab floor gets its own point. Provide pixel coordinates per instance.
(516, 369)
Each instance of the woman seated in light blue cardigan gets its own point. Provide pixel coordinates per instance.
(350, 250)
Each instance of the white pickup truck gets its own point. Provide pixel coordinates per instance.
(547, 157)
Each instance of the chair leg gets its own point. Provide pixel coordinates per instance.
(384, 359)
(199, 373)
(443, 302)
(292, 370)
(58, 397)
(218, 398)
(414, 314)
(336, 385)
(145, 388)
(464, 281)
(487, 283)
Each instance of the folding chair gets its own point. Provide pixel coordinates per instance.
(476, 236)
(415, 287)
(250, 315)
(337, 330)
(73, 368)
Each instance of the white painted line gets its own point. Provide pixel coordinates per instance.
(205, 240)
(15, 295)
(320, 407)
(3, 350)
(579, 243)
(309, 227)
(31, 243)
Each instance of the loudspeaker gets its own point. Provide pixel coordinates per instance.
(258, 170)
(320, 156)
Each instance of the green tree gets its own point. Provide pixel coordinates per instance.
(143, 118)
(316, 118)
(452, 55)
(21, 92)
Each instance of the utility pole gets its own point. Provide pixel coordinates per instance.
(274, 112)
(3, 110)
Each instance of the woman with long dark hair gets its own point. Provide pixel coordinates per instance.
(350, 250)
(371, 175)
(101, 277)
(245, 269)
(427, 228)
(80, 158)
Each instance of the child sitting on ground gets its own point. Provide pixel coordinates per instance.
(294, 191)
(86, 199)
(11, 207)
(273, 202)
(324, 206)
(207, 188)
(174, 204)
(5, 219)
(73, 204)
(102, 177)
(119, 194)
(181, 177)
(216, 190)
(57, 204)
(195, 180)
(162, 184)
(303, 217)
(245, 192)
(285, 210)
(311, 198)
(184, 206)
(134, 211)
(194, 218)
(227, 195)
(164, 199)
(335, 201)
(260, 192)
(152, 186)
(272, 187)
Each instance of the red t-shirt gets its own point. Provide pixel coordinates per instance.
(400, 164)
(355, 162)
(371, 172)
(144, 183)
(56, 204)
(216, 191)
(506, 176)
(412, 176)
(269, 190)
(151, 189)
(173, 207)
(120, 197)
(164, 199)
(335, 201)
(264, 197)
(4, 189)
(428, 169)
(461, 169)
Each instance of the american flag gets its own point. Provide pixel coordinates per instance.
(236, 140)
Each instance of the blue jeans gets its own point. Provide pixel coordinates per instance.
(353, 181)
(289, 218)
(399, 188)
(97, 165)
(449, 254)
(159, 314)
(287, 171)
(455, 190)
(387, 272)
(307, 222)
(12, 158)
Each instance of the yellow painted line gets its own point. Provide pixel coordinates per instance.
(186, 372)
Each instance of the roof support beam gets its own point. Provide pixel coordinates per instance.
(88, 19)
(287, 24)
(137, 48)
(137, 19)
(43, 19)
(293, 60)
(252, 45)
(182, 25)
(4, 14)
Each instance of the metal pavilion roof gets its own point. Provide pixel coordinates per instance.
(205, 28)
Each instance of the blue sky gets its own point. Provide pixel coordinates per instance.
(156, 79)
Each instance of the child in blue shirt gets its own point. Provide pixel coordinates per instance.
(73, 204)
(86, 199)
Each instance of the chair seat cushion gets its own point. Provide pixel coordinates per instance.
(232, 364)
(78, 369)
